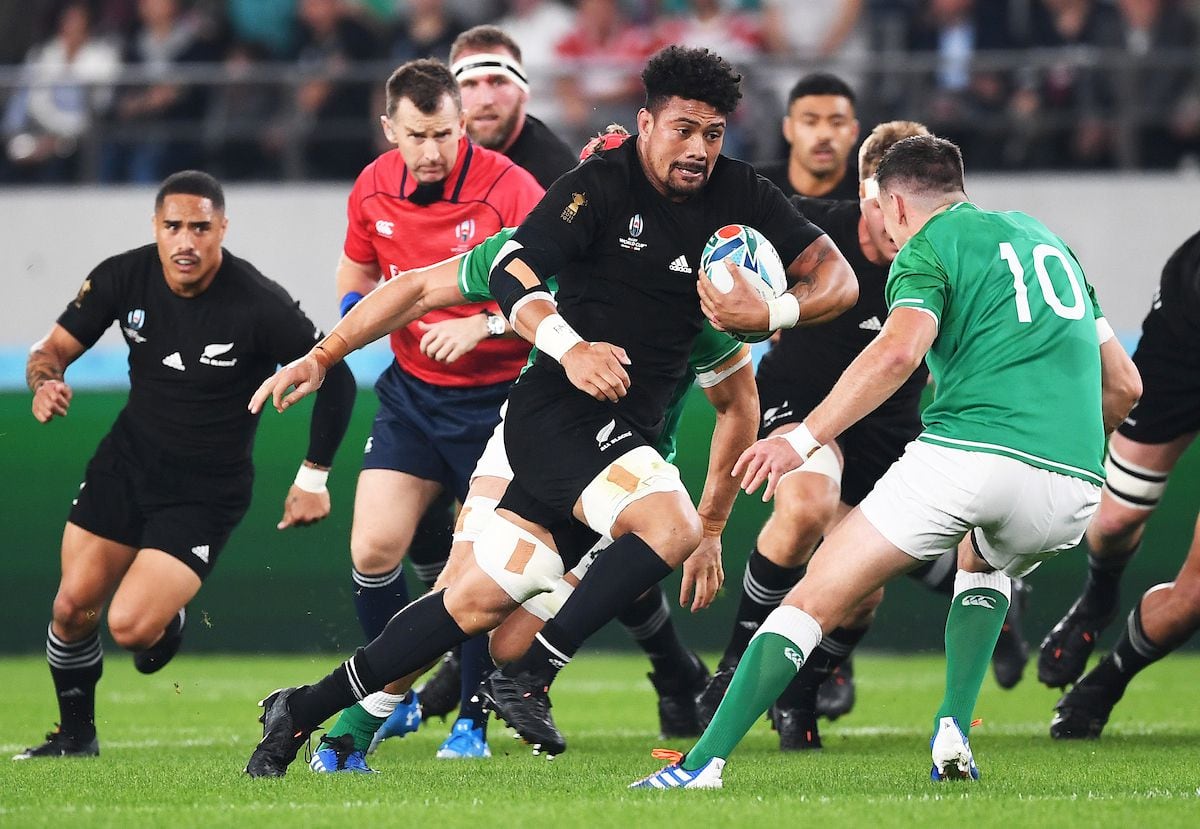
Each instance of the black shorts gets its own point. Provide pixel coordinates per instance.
(868, 447)
(1170, 369)
(182, 508)
(558, 439)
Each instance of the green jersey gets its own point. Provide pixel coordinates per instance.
(1016, 359)
(710, 349)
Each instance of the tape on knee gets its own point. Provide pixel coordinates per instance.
(631, 477)
(516, 560)
(822, 462)
(1133, 486)
(545, 606)
(475, 514)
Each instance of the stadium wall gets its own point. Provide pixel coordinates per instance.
(290, 590)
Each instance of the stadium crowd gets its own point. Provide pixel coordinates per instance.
(129, 90)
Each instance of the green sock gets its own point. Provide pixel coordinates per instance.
(359, 724)
(769, 664)
(972, 628)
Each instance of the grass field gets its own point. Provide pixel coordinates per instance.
(173, 746)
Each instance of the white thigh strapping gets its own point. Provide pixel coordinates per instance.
(516, 560)
(930, 498)
(545, 606)
(631, 477)
(822, 462)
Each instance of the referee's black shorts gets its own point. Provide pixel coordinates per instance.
(147, 500)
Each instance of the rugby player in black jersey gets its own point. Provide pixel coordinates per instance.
(623, 232)
(793, 377)
(173, 477)
(1141, 454)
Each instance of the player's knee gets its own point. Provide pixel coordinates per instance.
(515, 559)
(132, 630)
(675, 535)
(73, 617)
(1112, 528)
(374, 555)
(863, 614)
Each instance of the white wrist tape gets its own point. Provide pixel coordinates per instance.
(311, 480)
(555, 337)
(1104, 331)
(802, 441)
(783, 312)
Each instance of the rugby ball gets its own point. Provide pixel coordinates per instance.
(755, 255)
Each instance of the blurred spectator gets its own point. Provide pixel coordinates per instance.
(821, 129)
(269, 23)
(821, 34)
(1166, 95)
(958, 100)
(536, 25)
(237, 147)
(332, 113)
(1064, 111)
(18, 27)
(601, 60)
(426, 32)
(64, 82)
(152, 120)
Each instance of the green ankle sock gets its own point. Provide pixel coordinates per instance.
(359, 724)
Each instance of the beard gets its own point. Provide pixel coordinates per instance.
(499, 134)
(674, 188)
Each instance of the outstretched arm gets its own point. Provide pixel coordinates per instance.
(872, 378)
(44, 370)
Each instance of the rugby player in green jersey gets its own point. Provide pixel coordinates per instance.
(1007, 470)
(719, 364)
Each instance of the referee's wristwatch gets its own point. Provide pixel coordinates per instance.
(495, 324)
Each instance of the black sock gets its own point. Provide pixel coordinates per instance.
(415, 637)
(1132, 652)
(938, 575)
(1102, 590)
(619, 575)
(76, 667)
(764, 586)
(378, 598)
(833, 650)
(476, 664)
(648, 621)
(432, 539)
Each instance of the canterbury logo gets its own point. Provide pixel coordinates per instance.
(794, 657)
(385, 228)
(979, 601)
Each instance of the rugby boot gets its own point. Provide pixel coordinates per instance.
(797, 729)
(1065, 650)
(675, 776)
(405, 719)
(466, 742)
(523, 703)
(951, 751)
(677, 699)
(710, 698)
(281, 739)
(440, 695)
(1083, 711)
(156, 656)
(337, 755)
(60, 744)
(1012, 651)
(835, 696)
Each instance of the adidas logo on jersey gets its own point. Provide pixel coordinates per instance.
(201, 552)
(173, 360)
(680, 265)
(873, 324)
(977, 600)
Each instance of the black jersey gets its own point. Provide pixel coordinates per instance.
(193, 362)
(541, 152)
(812, 359)
(777, 173)
(1178, 298)
(626, 260)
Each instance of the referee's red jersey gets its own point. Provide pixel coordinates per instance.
(484, 192)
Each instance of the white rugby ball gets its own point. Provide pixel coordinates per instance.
(755, 255)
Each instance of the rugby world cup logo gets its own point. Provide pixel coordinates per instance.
(136, 318)
(465, 230)
(635, 225)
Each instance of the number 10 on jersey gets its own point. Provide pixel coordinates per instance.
(1041, 253)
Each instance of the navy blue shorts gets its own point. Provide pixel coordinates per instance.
(433, 432)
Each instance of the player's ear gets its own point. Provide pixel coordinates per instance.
(388, 131)
(787, 129)
(645, 122)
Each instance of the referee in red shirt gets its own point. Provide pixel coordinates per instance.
(436, 195)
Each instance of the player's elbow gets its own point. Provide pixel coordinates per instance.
(899, 356)
(846, 288)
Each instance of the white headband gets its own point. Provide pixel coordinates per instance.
(870, 188)
(490, 63)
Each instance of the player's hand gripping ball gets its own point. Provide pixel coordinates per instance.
(758, 260)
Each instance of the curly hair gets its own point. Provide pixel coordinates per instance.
(693, 74)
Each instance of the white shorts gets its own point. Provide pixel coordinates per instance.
(493, 462)
(1021, 515)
